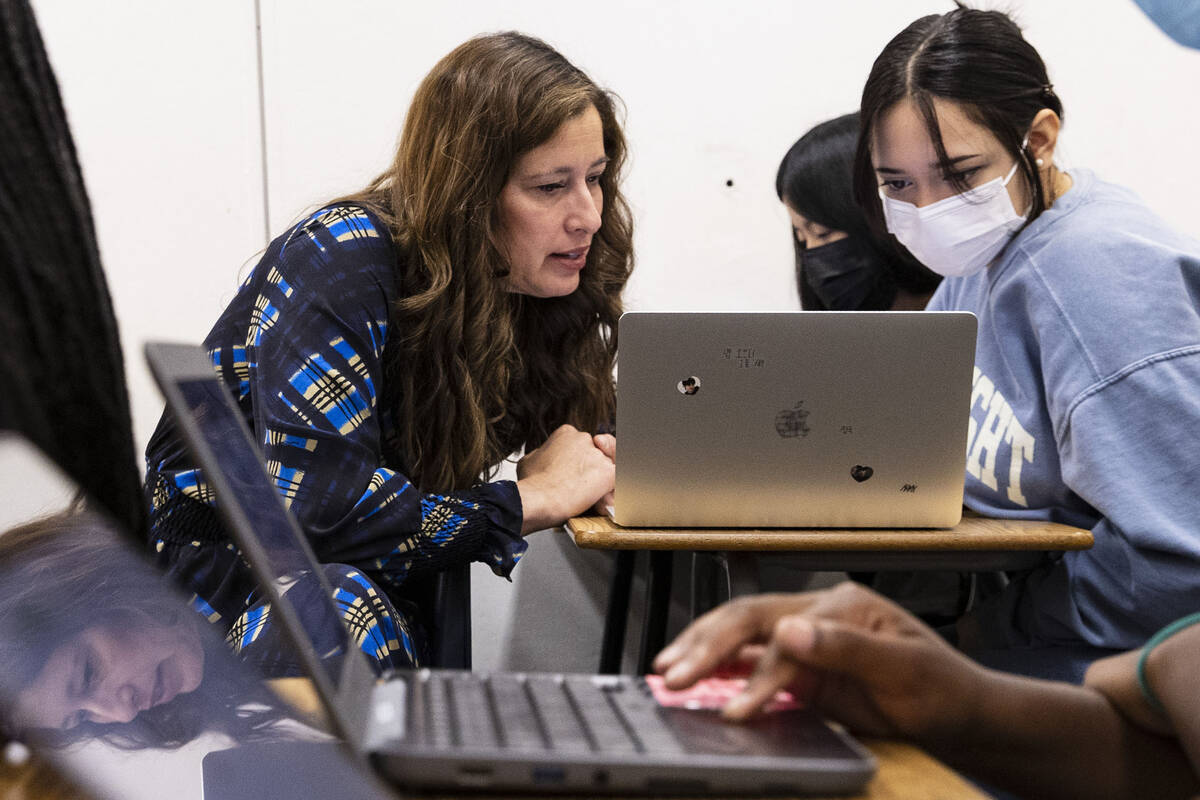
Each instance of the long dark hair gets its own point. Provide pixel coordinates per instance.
(64, 380)
(473, 372)
(63, 574)
(815, 179)
(976, 59)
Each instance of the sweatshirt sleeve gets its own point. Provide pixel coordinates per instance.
(312, 368)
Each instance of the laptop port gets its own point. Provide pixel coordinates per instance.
(549, 775)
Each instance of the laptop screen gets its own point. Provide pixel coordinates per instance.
(116, 682)
(245, 488)
(269, 536)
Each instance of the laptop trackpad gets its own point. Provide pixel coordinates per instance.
(796, 733)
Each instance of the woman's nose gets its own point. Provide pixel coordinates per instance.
(113, 705)
(584, 214)
(928, 195)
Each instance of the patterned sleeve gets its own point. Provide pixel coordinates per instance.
(311, 370)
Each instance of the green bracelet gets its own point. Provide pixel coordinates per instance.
(1155, 640)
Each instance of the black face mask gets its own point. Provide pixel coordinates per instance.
(844, 275)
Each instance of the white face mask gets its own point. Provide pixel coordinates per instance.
(959, 235)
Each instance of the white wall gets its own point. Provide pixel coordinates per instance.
(163, 102)
(162, 99)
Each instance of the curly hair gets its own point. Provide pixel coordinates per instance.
(472, 371)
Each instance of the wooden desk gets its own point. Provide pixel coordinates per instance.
(905, 773)
(975, 544)
(36, 780)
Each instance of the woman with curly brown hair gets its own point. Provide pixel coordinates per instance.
(393, 348)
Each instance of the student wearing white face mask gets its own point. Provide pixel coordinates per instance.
(1086, 402)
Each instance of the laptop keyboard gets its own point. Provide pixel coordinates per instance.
(558, 713)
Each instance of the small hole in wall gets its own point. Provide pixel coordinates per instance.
(729, 182)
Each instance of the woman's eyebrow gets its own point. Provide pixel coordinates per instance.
(558, 171)
(955, 160)
(885, 170)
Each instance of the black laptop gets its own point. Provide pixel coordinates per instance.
(447, 729)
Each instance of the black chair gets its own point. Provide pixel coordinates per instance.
(449, 619)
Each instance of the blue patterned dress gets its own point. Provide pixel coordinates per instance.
(301, 348)
(375, 626)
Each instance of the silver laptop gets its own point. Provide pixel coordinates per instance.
(455, 729)
(793, 419)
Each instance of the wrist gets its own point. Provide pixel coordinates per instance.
(1165, 667)
(1158, 658)
(982, 697)
(537, 512)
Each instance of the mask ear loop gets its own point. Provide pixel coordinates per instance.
(1013, 171)
(1017, 162)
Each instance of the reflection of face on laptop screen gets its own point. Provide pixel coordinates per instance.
(109, 672)
(105, 667)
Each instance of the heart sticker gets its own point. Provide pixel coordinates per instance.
(861, 473)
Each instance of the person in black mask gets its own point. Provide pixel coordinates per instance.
(841, 264)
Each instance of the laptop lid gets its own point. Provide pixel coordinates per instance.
(91, 577)
(793, 419)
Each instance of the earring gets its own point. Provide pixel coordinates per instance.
(1039, 162)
